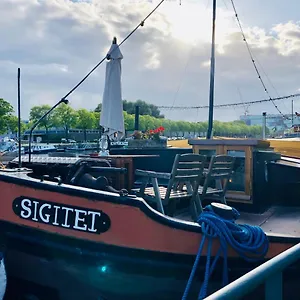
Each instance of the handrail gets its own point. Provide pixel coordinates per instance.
(269, 272)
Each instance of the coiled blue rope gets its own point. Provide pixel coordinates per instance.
(250, 242)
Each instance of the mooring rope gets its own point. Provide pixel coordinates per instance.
(250, 242)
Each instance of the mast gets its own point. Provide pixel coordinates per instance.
(212, 75)
(19, 116)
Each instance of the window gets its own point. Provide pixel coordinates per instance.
(237, 182)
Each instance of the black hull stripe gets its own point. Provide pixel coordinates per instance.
(52, 246)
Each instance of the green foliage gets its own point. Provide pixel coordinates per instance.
(6, 111)
(12, 124)
(96, 119)
(86, 120)
(145, 108)
(175, 128)
(37, 112)
(128, 120)
(66, 117)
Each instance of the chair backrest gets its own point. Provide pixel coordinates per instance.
(220, 168)
(187, 168)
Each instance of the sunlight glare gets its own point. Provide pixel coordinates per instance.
(191, 22)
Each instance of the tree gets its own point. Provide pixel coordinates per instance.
(98, 108)
(12, 124)
(5, 111)
(145, 108)
(65, 116)
(37, 112)
(128, 121)
(194, 128)
(86, 120)
(147, 122)
(96, 120)
(174, 128)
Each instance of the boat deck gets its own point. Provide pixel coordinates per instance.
(277, 220)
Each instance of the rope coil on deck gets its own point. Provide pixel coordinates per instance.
(250, 242)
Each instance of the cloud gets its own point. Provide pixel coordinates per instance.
(166, 62)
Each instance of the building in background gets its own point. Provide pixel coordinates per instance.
(276, 123)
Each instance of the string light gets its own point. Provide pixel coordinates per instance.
(231, 104)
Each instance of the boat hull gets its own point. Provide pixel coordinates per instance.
(130, 252)
(70, 269)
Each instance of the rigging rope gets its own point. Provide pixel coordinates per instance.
(141, 24)
(250, 242)
(252, 59)
(232, 104)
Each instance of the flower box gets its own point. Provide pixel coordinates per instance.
(147, 143)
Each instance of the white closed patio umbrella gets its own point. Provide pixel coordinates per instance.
(112, 119)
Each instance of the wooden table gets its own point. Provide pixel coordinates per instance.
(124, 161)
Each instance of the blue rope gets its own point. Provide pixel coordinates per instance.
(250, 242)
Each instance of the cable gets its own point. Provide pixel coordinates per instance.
(232, 104)
(182, 76)
(252, 58)
(269, 80)
(103, 59)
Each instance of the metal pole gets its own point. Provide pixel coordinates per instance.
(264, 125)
(137, 117)
(212, 75)
(292, 112)
(19, 117)
(265, 272)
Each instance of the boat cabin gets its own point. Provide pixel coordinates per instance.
(249, 183)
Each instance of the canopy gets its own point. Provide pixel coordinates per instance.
(111, 117)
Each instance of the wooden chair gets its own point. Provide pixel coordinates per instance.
(220, 170)
(187, 171)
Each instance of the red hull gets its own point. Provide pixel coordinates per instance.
(151, 247)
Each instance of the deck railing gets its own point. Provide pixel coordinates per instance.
(269, 273)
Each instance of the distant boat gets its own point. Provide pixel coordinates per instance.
(81, 147)
(42, 148)
(9, 150)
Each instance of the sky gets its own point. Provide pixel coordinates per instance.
(166, 62)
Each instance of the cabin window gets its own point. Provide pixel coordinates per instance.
(237, 182)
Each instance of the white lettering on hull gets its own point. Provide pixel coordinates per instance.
(66, 216)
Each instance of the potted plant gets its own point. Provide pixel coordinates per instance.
(150, 139)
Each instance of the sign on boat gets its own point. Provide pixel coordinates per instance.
(65, 216)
